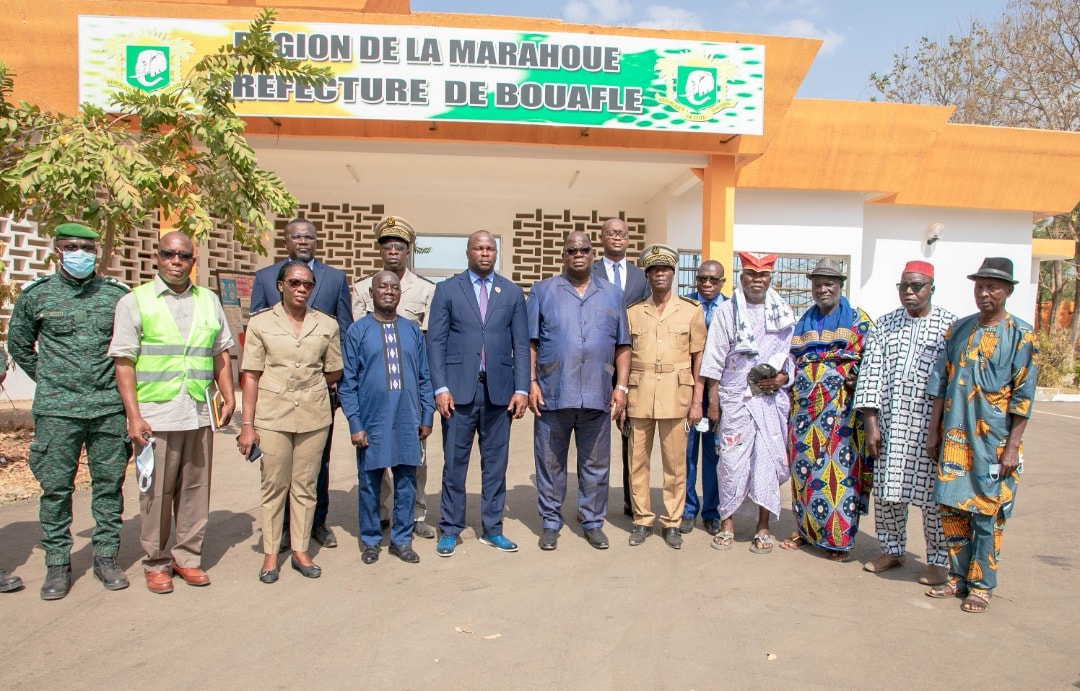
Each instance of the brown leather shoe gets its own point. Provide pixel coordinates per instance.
(883, 562)
(159, 581)
(193, 576)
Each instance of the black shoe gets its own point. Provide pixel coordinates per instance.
(312, 571)
(110, 575)
(596, 538)
(269, 575)
(673, 538)
(686, 525)
(9, 583)
(405, 553)
(323, 536)
(712, 526)
(639, 533)
(549, 540)
(57, 582)
(421, 529)
(370, 555)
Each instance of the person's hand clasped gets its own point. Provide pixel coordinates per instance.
(360, 439)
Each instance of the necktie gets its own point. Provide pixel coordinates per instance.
(618, 277)
(708, 313)
(483, 300)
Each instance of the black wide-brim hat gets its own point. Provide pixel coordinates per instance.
(1000, 268)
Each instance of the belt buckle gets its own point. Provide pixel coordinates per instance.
(481, 376)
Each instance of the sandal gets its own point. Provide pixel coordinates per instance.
(761, 544)
(723, 540)
(839, 556)
(796, 541)
(950, 589)
(975, 603)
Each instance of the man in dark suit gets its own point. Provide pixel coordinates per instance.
(478, 348)
(330, 296)
(630, 279)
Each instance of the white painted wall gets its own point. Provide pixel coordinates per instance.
(895, 235)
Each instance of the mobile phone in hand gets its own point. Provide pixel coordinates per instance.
(254, 453)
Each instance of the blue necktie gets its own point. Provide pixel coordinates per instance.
(618, 277)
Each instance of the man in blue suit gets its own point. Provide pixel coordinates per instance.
(330, 296)
(478, 349)
(630, 279)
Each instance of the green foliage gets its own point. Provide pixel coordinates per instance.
(1056, 352)
(180, 149)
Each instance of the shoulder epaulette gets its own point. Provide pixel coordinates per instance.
(638, 302)
(316, 309)
(40, 280)
(364, 278)
(425, 279)
(264, 309)
(110, 281)
(692, 301)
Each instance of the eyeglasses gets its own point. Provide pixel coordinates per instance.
(295, 283)
(710, 279)
(173, 254)
(616, 234)
(571, 251)
(395, 246)
(76, 246)
(916, 286)
(301, 236)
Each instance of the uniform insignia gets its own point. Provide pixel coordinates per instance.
(638, 302)
(692, 301)
(109, 280)
(40, 280)
(264, 309)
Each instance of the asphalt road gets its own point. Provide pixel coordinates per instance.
(642, 617)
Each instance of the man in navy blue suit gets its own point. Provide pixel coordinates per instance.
(330, 296)
(478, 349)
(630, 279)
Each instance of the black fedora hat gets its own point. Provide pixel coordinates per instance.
(1000, 268)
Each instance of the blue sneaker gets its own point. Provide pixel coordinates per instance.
(499, 542)
(447, 545)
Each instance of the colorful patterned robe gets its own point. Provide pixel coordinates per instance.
(831, 479)
(985, 374)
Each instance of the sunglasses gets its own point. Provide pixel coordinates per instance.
(173, 254)
(295, 283)
(395, 246)
(571, 251)
(916, 286)
(710, 279)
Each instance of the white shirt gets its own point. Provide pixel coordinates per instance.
(609, 266)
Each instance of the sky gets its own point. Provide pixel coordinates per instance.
(860, 36)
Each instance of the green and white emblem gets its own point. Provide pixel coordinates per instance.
(697, 85)
(147, 67)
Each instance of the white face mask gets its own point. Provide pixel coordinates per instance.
(144, 465)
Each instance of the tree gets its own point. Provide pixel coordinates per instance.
(179, 151)
(1021, 70)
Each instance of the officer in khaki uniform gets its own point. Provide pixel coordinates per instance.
(291, 354)
(668, 333)
(396, 238)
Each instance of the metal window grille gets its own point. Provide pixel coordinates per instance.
(790, 278)
(689, 261)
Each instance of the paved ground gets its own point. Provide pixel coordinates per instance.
(645, 617)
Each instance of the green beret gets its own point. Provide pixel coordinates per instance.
(75, 230)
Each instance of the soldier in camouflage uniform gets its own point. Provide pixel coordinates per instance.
(59, 334)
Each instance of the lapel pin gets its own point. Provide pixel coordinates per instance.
(498, 289)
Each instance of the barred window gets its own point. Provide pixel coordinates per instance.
(689, 261)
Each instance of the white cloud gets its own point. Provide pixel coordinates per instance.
(597, 11)
(804, 28)
(668, 17)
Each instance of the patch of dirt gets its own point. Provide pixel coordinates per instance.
(16, 480)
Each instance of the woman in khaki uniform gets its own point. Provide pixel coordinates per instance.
(291, 354)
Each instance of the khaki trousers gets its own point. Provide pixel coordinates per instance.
(290, 468)
(180, 488)
(673, 454)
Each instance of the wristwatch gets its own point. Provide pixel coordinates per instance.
(622, 388)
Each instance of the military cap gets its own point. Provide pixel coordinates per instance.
(75, 230)
(395, 227)
(658, 255)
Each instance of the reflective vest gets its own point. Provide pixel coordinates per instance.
(168, 363)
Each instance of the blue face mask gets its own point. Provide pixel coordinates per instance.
(79, 264)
